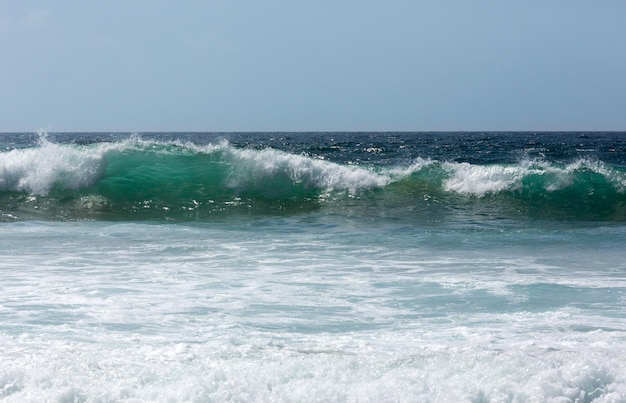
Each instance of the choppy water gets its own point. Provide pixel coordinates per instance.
(313, 267)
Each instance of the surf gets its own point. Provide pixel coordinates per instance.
(137, 179)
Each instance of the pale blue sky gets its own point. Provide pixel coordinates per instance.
(148, 65)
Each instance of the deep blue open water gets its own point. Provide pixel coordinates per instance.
(380, 267)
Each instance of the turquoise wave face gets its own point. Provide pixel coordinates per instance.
(134, 179)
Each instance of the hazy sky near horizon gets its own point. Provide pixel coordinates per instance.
(151, 65)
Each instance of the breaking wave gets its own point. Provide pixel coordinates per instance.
(135, 179)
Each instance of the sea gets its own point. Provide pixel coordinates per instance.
(313, 267)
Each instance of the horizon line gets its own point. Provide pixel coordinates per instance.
(42, 131)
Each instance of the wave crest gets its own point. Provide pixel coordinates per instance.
(257, 169)
(37, 170)
(138, 179)
(481, 180)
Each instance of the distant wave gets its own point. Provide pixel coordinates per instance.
(136, 179)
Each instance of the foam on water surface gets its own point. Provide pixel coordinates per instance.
(145, 312)
(317, 369)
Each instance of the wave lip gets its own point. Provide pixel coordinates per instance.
(253, 168)
(481, 180)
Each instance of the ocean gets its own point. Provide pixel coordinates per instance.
(313, 267)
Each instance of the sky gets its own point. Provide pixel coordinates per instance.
(326, 65)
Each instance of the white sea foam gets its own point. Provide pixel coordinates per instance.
(36, 170)
(254, 166)
(143, 312)
(319, 369)
(480, 180)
